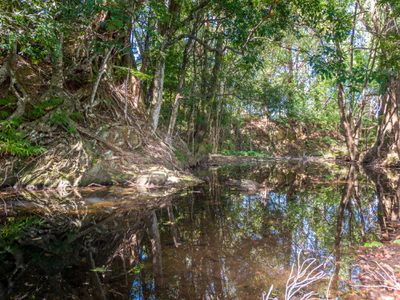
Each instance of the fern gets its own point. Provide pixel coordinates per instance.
(14, 142)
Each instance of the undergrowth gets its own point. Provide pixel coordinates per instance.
(251, 153)
(13, 230)
(42, 108)
(181, 156)
(62, 118)
(14, 142)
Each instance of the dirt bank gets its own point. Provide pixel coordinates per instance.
(99, 154)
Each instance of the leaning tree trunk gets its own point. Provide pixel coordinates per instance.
(102, 70)
(387, 138)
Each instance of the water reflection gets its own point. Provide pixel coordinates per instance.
(230, 238)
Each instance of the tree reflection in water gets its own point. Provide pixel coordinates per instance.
(220, 241)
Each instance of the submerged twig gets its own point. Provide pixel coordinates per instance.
(302, 275)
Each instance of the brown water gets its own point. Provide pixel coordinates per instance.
(224, 239)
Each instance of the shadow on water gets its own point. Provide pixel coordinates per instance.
(230, 238)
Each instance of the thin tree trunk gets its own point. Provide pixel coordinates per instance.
(179, 94)
(217, 127)
(156, 249)
(18, 90)
(157, 93)
(345, 121)
(212, 94)
(4, 73)
(102, 70)
(57, 78)
(388, 127)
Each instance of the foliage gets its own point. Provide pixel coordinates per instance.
(226, 60)
(15, 228)
(62, 118)
(181, 156)
(244, 153)
(13, 141)
(373, 244)
(40, 109)
(122, 72)
(102, 269)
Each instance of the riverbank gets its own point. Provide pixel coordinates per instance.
(97, 155)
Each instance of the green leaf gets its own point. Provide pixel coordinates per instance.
(102, 269)
(373, 244)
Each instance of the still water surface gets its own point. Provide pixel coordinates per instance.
(229, 238)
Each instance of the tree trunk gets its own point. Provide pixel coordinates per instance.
(217, 123)
(18, 90)
(212, 94)
(157, 93)
(179, 94)
(165, 31)
(388, 128)
(102, 70)
(57, 78)
(4, 73)
(156, 253)
(346, 122)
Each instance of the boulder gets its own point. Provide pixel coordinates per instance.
(155, 178)
(244, 185)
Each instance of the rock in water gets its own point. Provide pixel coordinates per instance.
(156, 178)
(244, 184)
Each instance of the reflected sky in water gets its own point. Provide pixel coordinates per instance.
(230, 238)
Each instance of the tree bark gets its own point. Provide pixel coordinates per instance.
(4, 73)
(18, 90)
(102, 70)
(388, 127)
(157, 93)
(179, 94)
(155, 241)
(57, 78)
(165, 31)
(212, 98)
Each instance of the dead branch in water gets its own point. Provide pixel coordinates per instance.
(381, 274)
(302, 275)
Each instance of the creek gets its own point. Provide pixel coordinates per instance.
(231, 237)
